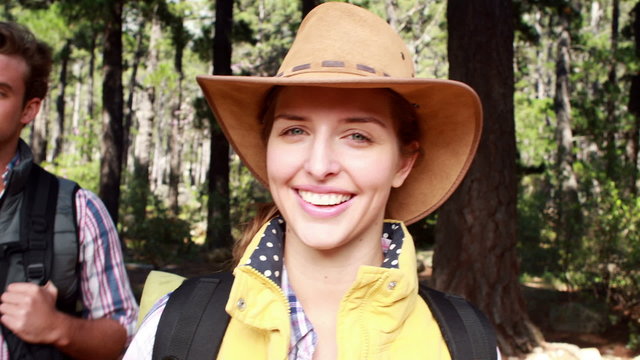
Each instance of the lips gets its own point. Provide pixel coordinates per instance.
(323, 199)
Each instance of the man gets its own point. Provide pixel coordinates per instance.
(38, 312)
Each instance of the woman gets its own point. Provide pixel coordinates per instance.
(344, 137)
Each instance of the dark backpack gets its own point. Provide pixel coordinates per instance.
(194, 321)
(36, 247)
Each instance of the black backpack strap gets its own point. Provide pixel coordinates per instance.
(69, 304)
(194, 320)
(466, 330)
(36, 234)
(41, 195)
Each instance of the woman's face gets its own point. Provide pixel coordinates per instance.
(332, 158)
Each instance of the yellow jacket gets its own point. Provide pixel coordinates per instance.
(381, 316)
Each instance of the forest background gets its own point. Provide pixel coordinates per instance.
(551, 196)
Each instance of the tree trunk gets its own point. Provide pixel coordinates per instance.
(612, 98)
(128, 118)
(634, 105)
(160, 151)
(92, 66)
(146, 115)
(175, 151)
(569, 218)
(58, 133)
(475, 253)
(77, 100)
(219, 227)
(392, 18)
(543, 76)
(39, 134)
(202, 165)
(176, 125)
(634, 138)
(112, 100)
(87, 151)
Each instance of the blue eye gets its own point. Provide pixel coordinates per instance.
(359, 137)
(295, 131)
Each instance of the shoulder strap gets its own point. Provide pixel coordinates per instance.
(194, 320)
(36, 236)
(65, 248)
(466, 330)
(38, 224)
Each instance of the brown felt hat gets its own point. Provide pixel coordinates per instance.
(344, 46)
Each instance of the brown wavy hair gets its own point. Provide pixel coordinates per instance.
(406, 128)
(17, 40)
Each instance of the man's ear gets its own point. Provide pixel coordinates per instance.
(30, 110)
(406, 164)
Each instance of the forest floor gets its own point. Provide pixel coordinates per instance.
(611, 341)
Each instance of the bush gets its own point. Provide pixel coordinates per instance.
(151, 233)
(159, 240)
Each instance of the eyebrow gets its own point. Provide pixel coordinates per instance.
(286, 116)
(6, 86)
(350, 120)
(367, 119)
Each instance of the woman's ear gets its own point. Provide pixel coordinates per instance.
(407, 159)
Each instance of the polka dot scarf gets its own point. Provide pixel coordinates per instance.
(267, 256)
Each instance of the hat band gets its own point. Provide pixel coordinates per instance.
(333, 66)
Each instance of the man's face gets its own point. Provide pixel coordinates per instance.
(15, 113)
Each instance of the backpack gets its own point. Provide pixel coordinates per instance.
(34, 254)
(194, 321)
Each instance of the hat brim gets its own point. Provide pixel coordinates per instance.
(449, 115)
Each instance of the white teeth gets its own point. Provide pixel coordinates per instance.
(323, 199)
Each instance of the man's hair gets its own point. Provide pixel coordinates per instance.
(17, 40)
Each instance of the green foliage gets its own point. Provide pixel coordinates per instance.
(634, 336)
(607, 258)
(423, 26)
(534, 133)
(152, 234)
(246, 194)
(613, 242)
(606, 255)
(265, 32)
(74, 167)
(204, 116)
(537, 243)
(159, 240)
(48, 24)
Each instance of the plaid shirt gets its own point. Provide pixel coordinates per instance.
(104, 284)
(303, 338)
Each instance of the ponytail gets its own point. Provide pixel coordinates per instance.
(264, 213)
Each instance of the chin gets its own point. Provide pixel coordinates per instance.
(321, 243)
(327, 237)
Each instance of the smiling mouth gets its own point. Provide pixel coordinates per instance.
(323, 199)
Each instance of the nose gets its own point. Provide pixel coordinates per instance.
(322, 160)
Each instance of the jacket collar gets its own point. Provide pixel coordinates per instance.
(18, 176)
(257, 299)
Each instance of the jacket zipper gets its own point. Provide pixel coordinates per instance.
(283, 297)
